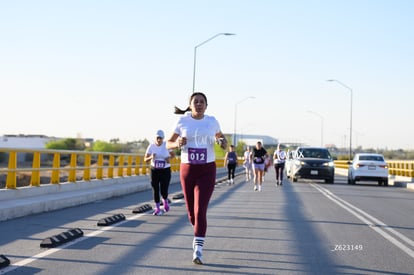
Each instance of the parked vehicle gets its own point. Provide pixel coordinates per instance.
(312, 163)
(368, 167)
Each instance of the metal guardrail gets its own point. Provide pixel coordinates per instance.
(395, 167)
(85, 166)
(341, 164)
(401, 168)
(81, 165)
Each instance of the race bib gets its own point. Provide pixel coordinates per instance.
(258, 160)
(197, 155)
(159, 164)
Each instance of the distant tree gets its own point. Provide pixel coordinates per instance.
(114, 140)
(144, 143)
(111, 147)
(241, 146)
(102, 146)
(409, 155)
(66, 144)
(219, 152)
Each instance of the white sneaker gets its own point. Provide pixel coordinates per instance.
(260, 188)
(197, 257)
(231, 181)
(255, 187)
(157, 212)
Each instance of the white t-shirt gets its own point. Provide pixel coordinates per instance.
(247, 155)
(161, 153)
(279, 157)
(201, 136)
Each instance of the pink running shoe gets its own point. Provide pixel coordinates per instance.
(166, 206)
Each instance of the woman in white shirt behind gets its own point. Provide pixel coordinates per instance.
(279, 158)
(159, 156)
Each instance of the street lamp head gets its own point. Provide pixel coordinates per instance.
(202, 43)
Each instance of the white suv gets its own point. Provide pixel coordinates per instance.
(368, 167)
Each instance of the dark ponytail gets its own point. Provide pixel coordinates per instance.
(179, 111)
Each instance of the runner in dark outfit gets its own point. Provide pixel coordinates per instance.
(230, 160)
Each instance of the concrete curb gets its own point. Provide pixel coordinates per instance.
(26, 201)
(33, 200)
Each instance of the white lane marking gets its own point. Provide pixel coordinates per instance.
(50, 251)
(369, 220)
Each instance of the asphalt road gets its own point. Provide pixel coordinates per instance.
(307, 227)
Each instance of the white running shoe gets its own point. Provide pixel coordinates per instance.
(255, 187)
(157, 212)
(260, 188)
(197, 257)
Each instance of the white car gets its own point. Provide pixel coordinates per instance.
(368, 167)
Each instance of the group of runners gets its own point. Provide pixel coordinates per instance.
(257, 161)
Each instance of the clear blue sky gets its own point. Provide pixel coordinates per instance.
(115, 69)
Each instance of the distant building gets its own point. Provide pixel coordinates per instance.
(32, 142)
(251, 140)
(25, 141)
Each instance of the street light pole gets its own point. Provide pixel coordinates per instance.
(321, 117)
(350, 120)
(235, 116)
(195, 53)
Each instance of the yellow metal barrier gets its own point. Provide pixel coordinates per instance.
(129, 166)
(11, 175)
(341, 164)
(401, 168)
(35, 180)
(48, 164)
(87, 170)
(101, 165)
(72, 170)
(137, 165)
(56, 165)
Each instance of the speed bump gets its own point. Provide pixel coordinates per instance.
(62, 238)
(111, 220)
(178, 196)
(142, 208)
(4, 261)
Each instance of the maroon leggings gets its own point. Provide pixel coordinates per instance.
(197, 182)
